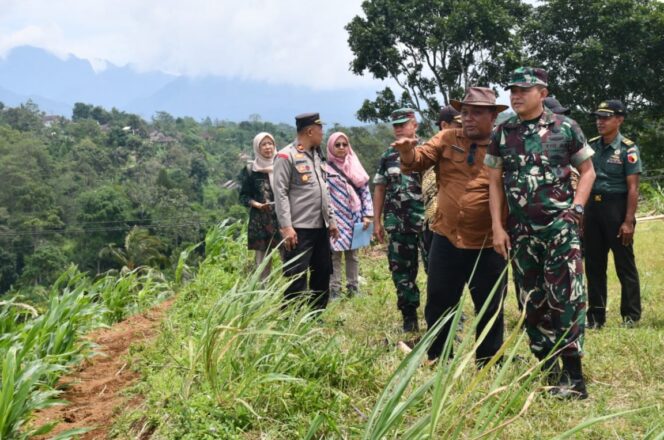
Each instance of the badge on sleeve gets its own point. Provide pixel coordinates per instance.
(632, 157)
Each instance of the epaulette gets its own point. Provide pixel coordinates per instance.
(594, 139)
(627, 142)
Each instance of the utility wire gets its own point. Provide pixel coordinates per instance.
(90, 231)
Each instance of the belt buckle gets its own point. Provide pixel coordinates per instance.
(598, 197)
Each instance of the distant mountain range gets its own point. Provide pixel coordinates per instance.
(55, 85)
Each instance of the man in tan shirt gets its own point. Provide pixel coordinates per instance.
(448, 118)
(462, 228)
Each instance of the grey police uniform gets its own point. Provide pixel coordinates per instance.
(302, 199)
(302, 202)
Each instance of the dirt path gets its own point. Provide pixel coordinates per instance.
(94, 391)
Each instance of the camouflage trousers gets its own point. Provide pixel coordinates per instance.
(548, 270)
(402, 255)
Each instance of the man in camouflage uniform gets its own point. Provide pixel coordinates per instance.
(530, 160)
(611, 216)
(399, 197)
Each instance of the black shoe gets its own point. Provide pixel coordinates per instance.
(571, 384)
(410, 323)
(629, 323)
(351, 292)
(594, 325)
(551, 367)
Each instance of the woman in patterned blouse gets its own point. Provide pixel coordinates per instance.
(348, 184)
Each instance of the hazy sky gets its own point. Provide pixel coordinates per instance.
(300, 42)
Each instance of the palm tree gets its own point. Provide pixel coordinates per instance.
(140, 249)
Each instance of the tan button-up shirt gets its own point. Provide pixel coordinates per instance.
(463, 214)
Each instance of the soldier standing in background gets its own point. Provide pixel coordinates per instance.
(530, 159)
(399, 198)
(554, 105)
(611, 216)
(304, 213)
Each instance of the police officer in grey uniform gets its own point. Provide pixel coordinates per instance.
(611, 216)
(304, 212)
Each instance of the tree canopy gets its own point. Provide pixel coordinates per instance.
(433, 49)
(601, 49)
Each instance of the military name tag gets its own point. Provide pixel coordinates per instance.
(615, 159)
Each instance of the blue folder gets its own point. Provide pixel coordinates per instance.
(361, 237)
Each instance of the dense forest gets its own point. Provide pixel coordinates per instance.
(107, 189)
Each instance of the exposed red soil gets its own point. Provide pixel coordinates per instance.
(94, 389)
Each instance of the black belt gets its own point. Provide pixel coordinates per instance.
(607, 197)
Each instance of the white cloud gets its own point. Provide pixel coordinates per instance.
(282, 41)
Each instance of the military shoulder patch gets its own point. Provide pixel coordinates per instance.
(594, 139)
(282, 155)
(627, 142)
(632, 150)
(632, 157)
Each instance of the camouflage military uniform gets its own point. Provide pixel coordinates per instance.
(536, 158)
(430, 199)
(403, 220)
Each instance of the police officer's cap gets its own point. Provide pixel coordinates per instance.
(402, 115)
(554, 105)
(527, 77)
(449, 114)
(306, 119)
(611, 107)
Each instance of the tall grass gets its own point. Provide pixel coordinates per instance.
(234, 363)
(461, 399)
(271, 359)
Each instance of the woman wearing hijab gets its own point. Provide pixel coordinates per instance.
(256, 193)
(348, 184)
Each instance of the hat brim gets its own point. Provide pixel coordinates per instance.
(458, 104)
(605, 114)
(400, 120)
(560, 110)
(523, 85)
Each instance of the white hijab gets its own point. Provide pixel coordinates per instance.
(260, 163)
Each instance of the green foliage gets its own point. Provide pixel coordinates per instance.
(231, 362)
(140, 249)
(44, 265)
(37, 348)
(652, 198)
(433, 47)
(594, 53)
(130, 292)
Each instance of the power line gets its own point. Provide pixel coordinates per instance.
(90, 231)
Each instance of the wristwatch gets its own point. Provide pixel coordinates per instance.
(578, 209)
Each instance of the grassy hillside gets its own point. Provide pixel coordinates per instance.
(231, 364)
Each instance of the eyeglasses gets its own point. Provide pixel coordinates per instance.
(341, 144)
(471, 154)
